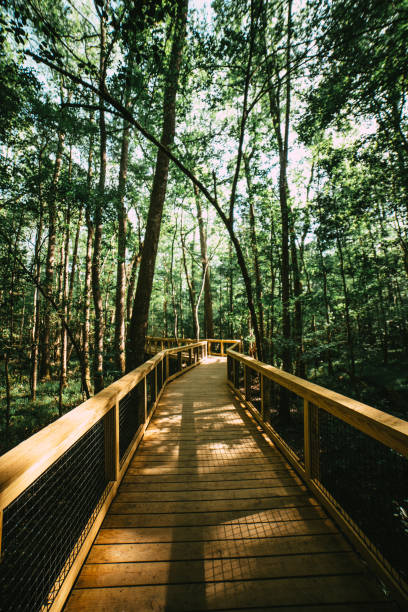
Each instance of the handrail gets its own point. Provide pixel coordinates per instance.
(384, 427)
(109, 426)
(222, 342)
(317, 443)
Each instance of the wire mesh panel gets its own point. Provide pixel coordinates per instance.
(240, 377)
(370, 482)
(160, 376)
(151, 390)
(253, 388)
(215, 348)
(44, 528)
(173, 364)
(131, 416)
(230, 368)
(284, 411)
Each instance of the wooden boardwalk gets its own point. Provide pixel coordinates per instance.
(211, 517)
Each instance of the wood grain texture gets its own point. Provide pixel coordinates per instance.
(209, 516)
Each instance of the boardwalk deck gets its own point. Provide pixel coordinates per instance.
(211, 517)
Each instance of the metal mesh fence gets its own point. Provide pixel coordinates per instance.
(160, 377)
(230, 370)
(131, 416)
(370, 482)
(215, 348)
(44, 528)
(284, 411)
(151, 390)
(173, 364)
(253, 388)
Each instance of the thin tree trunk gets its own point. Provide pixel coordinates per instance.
(88, 269)
(97, 247)
(350, 343)
(131, 285)
(120, 329)
(45, 367)
(208, 308)
(254, 249)
(191, 291)
(64, 306)
(36, 304)
(139, 321)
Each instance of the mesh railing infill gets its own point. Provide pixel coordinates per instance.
(45, 527)
(370, 482)
(131, 416)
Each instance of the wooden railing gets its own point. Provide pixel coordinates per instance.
(56, 486)
(215, 346)
(353, 457)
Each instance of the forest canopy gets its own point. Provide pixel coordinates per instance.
(198, 169)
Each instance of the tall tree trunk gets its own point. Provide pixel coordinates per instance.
(64, 307)
(139, 321)
(97, 248)
(300, 369)
(45, 367)
(120, 329)
(36, 300)
(254, 249)
(350, 342)
(131, 284)
(208, 308)
(88, 269)
(191, 290)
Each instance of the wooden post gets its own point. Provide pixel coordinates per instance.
(167, 366)
(155, 384)
(261, 385)
(111, 430)
(222, 348)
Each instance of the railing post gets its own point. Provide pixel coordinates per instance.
(111, 434)
(261, 390)
(190, 357)
(222, 348)
(167, 366)
(155, 384)
(311, 439)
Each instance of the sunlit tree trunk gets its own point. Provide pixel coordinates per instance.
(139, 321)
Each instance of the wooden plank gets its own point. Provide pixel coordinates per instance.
(223, 549)
(192, 476)
(259, 531)
(208, 484)
(125, 506)
(128, 493)
(212, 518)
(213, 595)
(217, 570)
